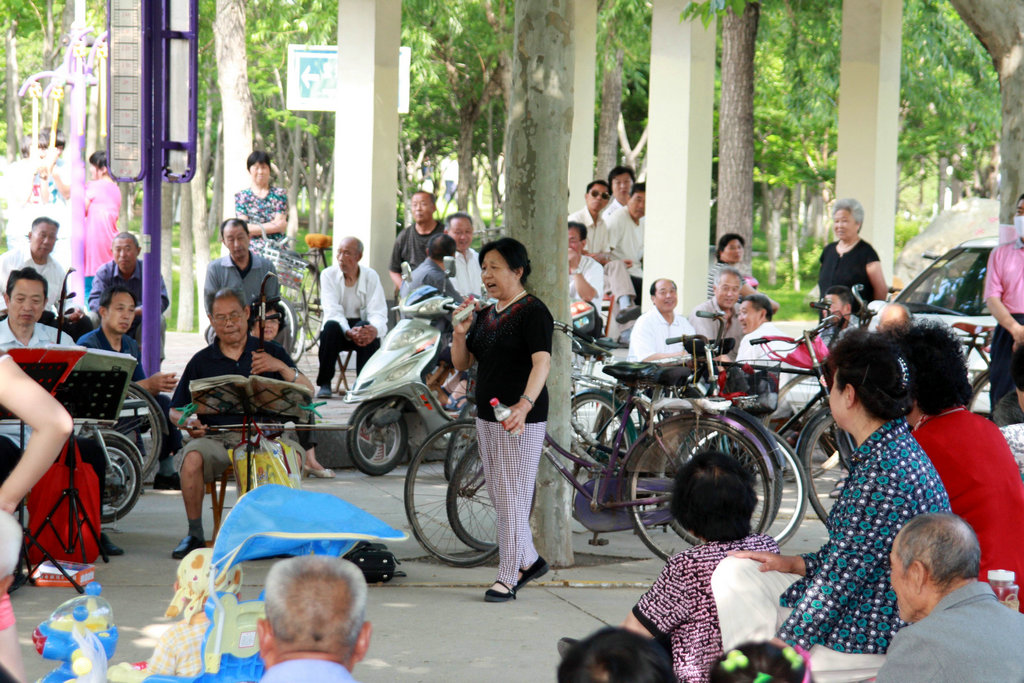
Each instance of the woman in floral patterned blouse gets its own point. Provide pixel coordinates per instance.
(838, 603)
(263, 207)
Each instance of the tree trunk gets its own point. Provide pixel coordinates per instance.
(796, 207)
(235, 99)
(999, 25)
(736, 125)
(773, 197)
(631, 154)
(611, 109)
(311, 184)
(167, 206)
(15, 129)
(940, 193)
(213, 219)
(539, 128)
(465, 156)
(295, 159)
(186, 247)
(200, 228)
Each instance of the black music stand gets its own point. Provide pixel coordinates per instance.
(249, 397)
(48, 366)
(94, 390)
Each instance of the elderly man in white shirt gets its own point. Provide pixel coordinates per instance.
(355, 312)
(586, 276)
(755, 318)
(467, 280)
(647, 341)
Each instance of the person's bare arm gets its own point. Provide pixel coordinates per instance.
(774, 562)
(462, 359)
(633, 625)
(277, 224)
(158, 382)
(396, 278)
(534, 385)
(1003, 316)
(263, 363)
(747, 290)
(51, 426)
(877, 278)
(583, 288)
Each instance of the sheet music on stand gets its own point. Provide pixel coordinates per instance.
(249, 396)
(94, 390)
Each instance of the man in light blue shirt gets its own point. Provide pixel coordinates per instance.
(315, 628)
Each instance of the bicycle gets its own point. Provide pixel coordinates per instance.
(454, 521)
(976, 340)
(142, 422)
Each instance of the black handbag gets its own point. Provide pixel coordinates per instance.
(378, 564)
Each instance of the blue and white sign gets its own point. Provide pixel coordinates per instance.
(312, 78)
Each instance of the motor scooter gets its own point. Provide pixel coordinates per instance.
(392, 390)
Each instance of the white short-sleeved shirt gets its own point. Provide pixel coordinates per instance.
(650, 332)
(593, 273)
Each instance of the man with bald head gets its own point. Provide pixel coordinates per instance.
(355, 312)
(958, 630)
(316, 628)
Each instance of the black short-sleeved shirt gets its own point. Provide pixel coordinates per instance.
(210, 362)
(503, 345)
(412, 247)
(849, 269)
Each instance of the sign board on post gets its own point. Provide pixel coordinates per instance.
(313, 78)
(129, 94)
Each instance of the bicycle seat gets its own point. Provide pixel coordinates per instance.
(318, 241)
(672, 376)
(630, 373)
(974, 330)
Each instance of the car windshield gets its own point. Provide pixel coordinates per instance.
(955, 284)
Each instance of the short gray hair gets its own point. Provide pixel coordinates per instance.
(728, 270)
(944, 543)
(850, 204)
(229, 293)
(316, 603)
(11, 535)
(127, 236)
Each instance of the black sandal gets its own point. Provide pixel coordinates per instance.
(534, 571)
(496, 596)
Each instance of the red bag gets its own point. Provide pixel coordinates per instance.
(69, 530)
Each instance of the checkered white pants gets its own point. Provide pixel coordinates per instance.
(510, 469)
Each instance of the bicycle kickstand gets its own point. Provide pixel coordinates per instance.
(597, 541)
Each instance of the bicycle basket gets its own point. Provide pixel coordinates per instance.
(753, 388)
(290, 266)
(799, 357)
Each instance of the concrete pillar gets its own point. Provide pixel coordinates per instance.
(581, 147)
(366, 127)
(679, 157)
(869, 91)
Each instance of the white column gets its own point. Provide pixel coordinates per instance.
(366, 127)
(679, 161)
(869, 92)
(581, 147)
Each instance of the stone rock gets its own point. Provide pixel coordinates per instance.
(969, 219)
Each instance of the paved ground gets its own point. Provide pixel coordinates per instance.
(432, 625)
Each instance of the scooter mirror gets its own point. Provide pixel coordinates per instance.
(449, 266)
(406, 271)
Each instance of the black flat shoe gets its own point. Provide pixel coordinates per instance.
(534, 571)
(108, 546)
(187, 545)
(497, 596)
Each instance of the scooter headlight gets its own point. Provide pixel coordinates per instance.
(408, 337)
(401, 370)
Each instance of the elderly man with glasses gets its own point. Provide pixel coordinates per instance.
(233, 352)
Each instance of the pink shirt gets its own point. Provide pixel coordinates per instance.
(103, 202)
(1005, 276)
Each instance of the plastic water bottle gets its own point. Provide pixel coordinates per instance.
(1003, 585)
(501, 413)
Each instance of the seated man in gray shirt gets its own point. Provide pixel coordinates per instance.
(240, 269)
(958, 630)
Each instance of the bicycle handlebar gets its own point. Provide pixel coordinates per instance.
(713, 315)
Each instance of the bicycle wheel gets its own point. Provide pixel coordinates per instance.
(124, 477)
(457, 444)
(595, 416)
(374, 449)
(426, 497)
(980, 398)
(791, 496)
(823, 449)
(311, 307)
(470, 510)
(652, 464)
(296, 337)
(142, 421)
